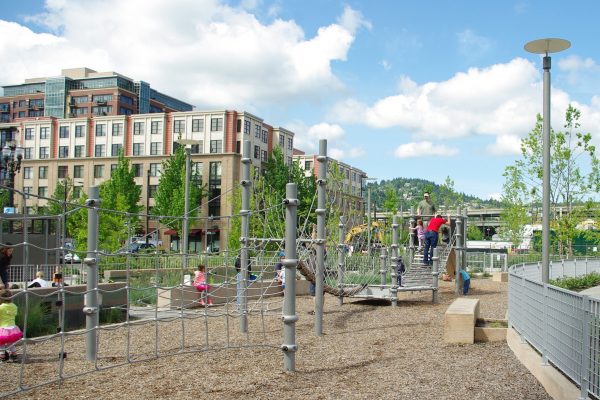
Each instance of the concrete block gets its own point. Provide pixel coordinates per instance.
(500, 276)
(459, 321)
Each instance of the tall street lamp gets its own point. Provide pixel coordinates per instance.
(12, 156)
(184, 242)
(546, 46)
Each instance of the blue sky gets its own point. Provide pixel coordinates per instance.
(400, 89)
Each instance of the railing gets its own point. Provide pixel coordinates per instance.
(563, 326)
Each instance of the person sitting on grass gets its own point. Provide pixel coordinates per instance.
(201, 285)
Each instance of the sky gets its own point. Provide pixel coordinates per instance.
(399, 89)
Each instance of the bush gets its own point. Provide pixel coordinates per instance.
(40, 321)
(578, 283)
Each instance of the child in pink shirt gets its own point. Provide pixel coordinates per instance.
(201, 285)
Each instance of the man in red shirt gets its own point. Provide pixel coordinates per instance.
(431, 237)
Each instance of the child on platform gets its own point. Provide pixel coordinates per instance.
(420, 231)
(201, 285)
(9, 331)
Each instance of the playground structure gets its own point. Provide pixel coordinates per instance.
(106, 346)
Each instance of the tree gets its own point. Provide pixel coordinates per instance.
(170, 193)
(119, 198)
(474, 233)
(391, 199)
(574, 171)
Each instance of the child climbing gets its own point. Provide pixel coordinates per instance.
(420, 231)
(201, 285)
(9, 331)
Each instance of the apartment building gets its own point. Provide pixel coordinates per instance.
(351, 185)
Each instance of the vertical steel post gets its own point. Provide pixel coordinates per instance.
(383, 266)
(369, 221)
(584, 379)
(341, 258)
(459, 245)
(245, 213)
(395, 257)
(546, 174)
(90, 308)
(411, 236)
(464, 242)
(320, 211)
(186, 210)
(290, 263)
(434, 275)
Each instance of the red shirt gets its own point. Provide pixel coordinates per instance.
(435, 223)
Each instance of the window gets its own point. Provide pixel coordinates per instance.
(138, 149)
(154, 169)
(102, 98)
(79, 110)
(138, 128)
(289, 161)
(77, 192)
(152, 191)
(98, 171)
(198, 125)
(21, 114)
(263, 156)
(281, 141)
(290, 143)
(79, 149)
(27, 172)
(197, 171)
(113, 167)
(99, 150)
(197, 148)
(101, 130)
(79, 130)
(63, 132)
(63, 171)
(179, 126)
(126, 99)
(63, 151)
(155, 148)
(44, 152)
(155, 127)
(216, 124)
(216, 146)
(28, 133)
(42, 191)
(78, 171)
(79, 99)
(43, 172)
(28, 153)
(137, 170)
(239, 125)
(308, 165)
(257, 131)
(116, 149)
(27, 190)
(246, 127)
(103, 110)
(117, 129)
(44, 132)
(214, 188)
(256, 151)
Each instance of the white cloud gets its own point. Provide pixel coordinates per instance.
(424, 149)
(203, 51)
(500, 100)
(505, 145)
(471, 44)
(386, 65)
(576, 63)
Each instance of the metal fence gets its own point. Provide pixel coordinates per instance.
(564, 326)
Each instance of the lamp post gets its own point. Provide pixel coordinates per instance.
(546, 46)
(185, 234)
(369, 214)
(12, 156)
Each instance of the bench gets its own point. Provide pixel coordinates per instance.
(459, 321)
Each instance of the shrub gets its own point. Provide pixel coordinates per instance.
(578, 283)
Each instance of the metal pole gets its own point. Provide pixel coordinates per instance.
(186, 210)
(434, 275)
(290, 264)
(245, 213)
(546, 174)
(369, 221)
(148, 207)
(320, 211)
(395, 257)
(459, 248)
(382, 266)
(90, 308)
(411, 236)
(341, 257)
(464, 239)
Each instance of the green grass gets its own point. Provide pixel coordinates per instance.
(40, 321)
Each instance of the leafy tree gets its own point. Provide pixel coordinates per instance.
(474, 233)
(170, 194)
(391, 200)
(574, 171)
